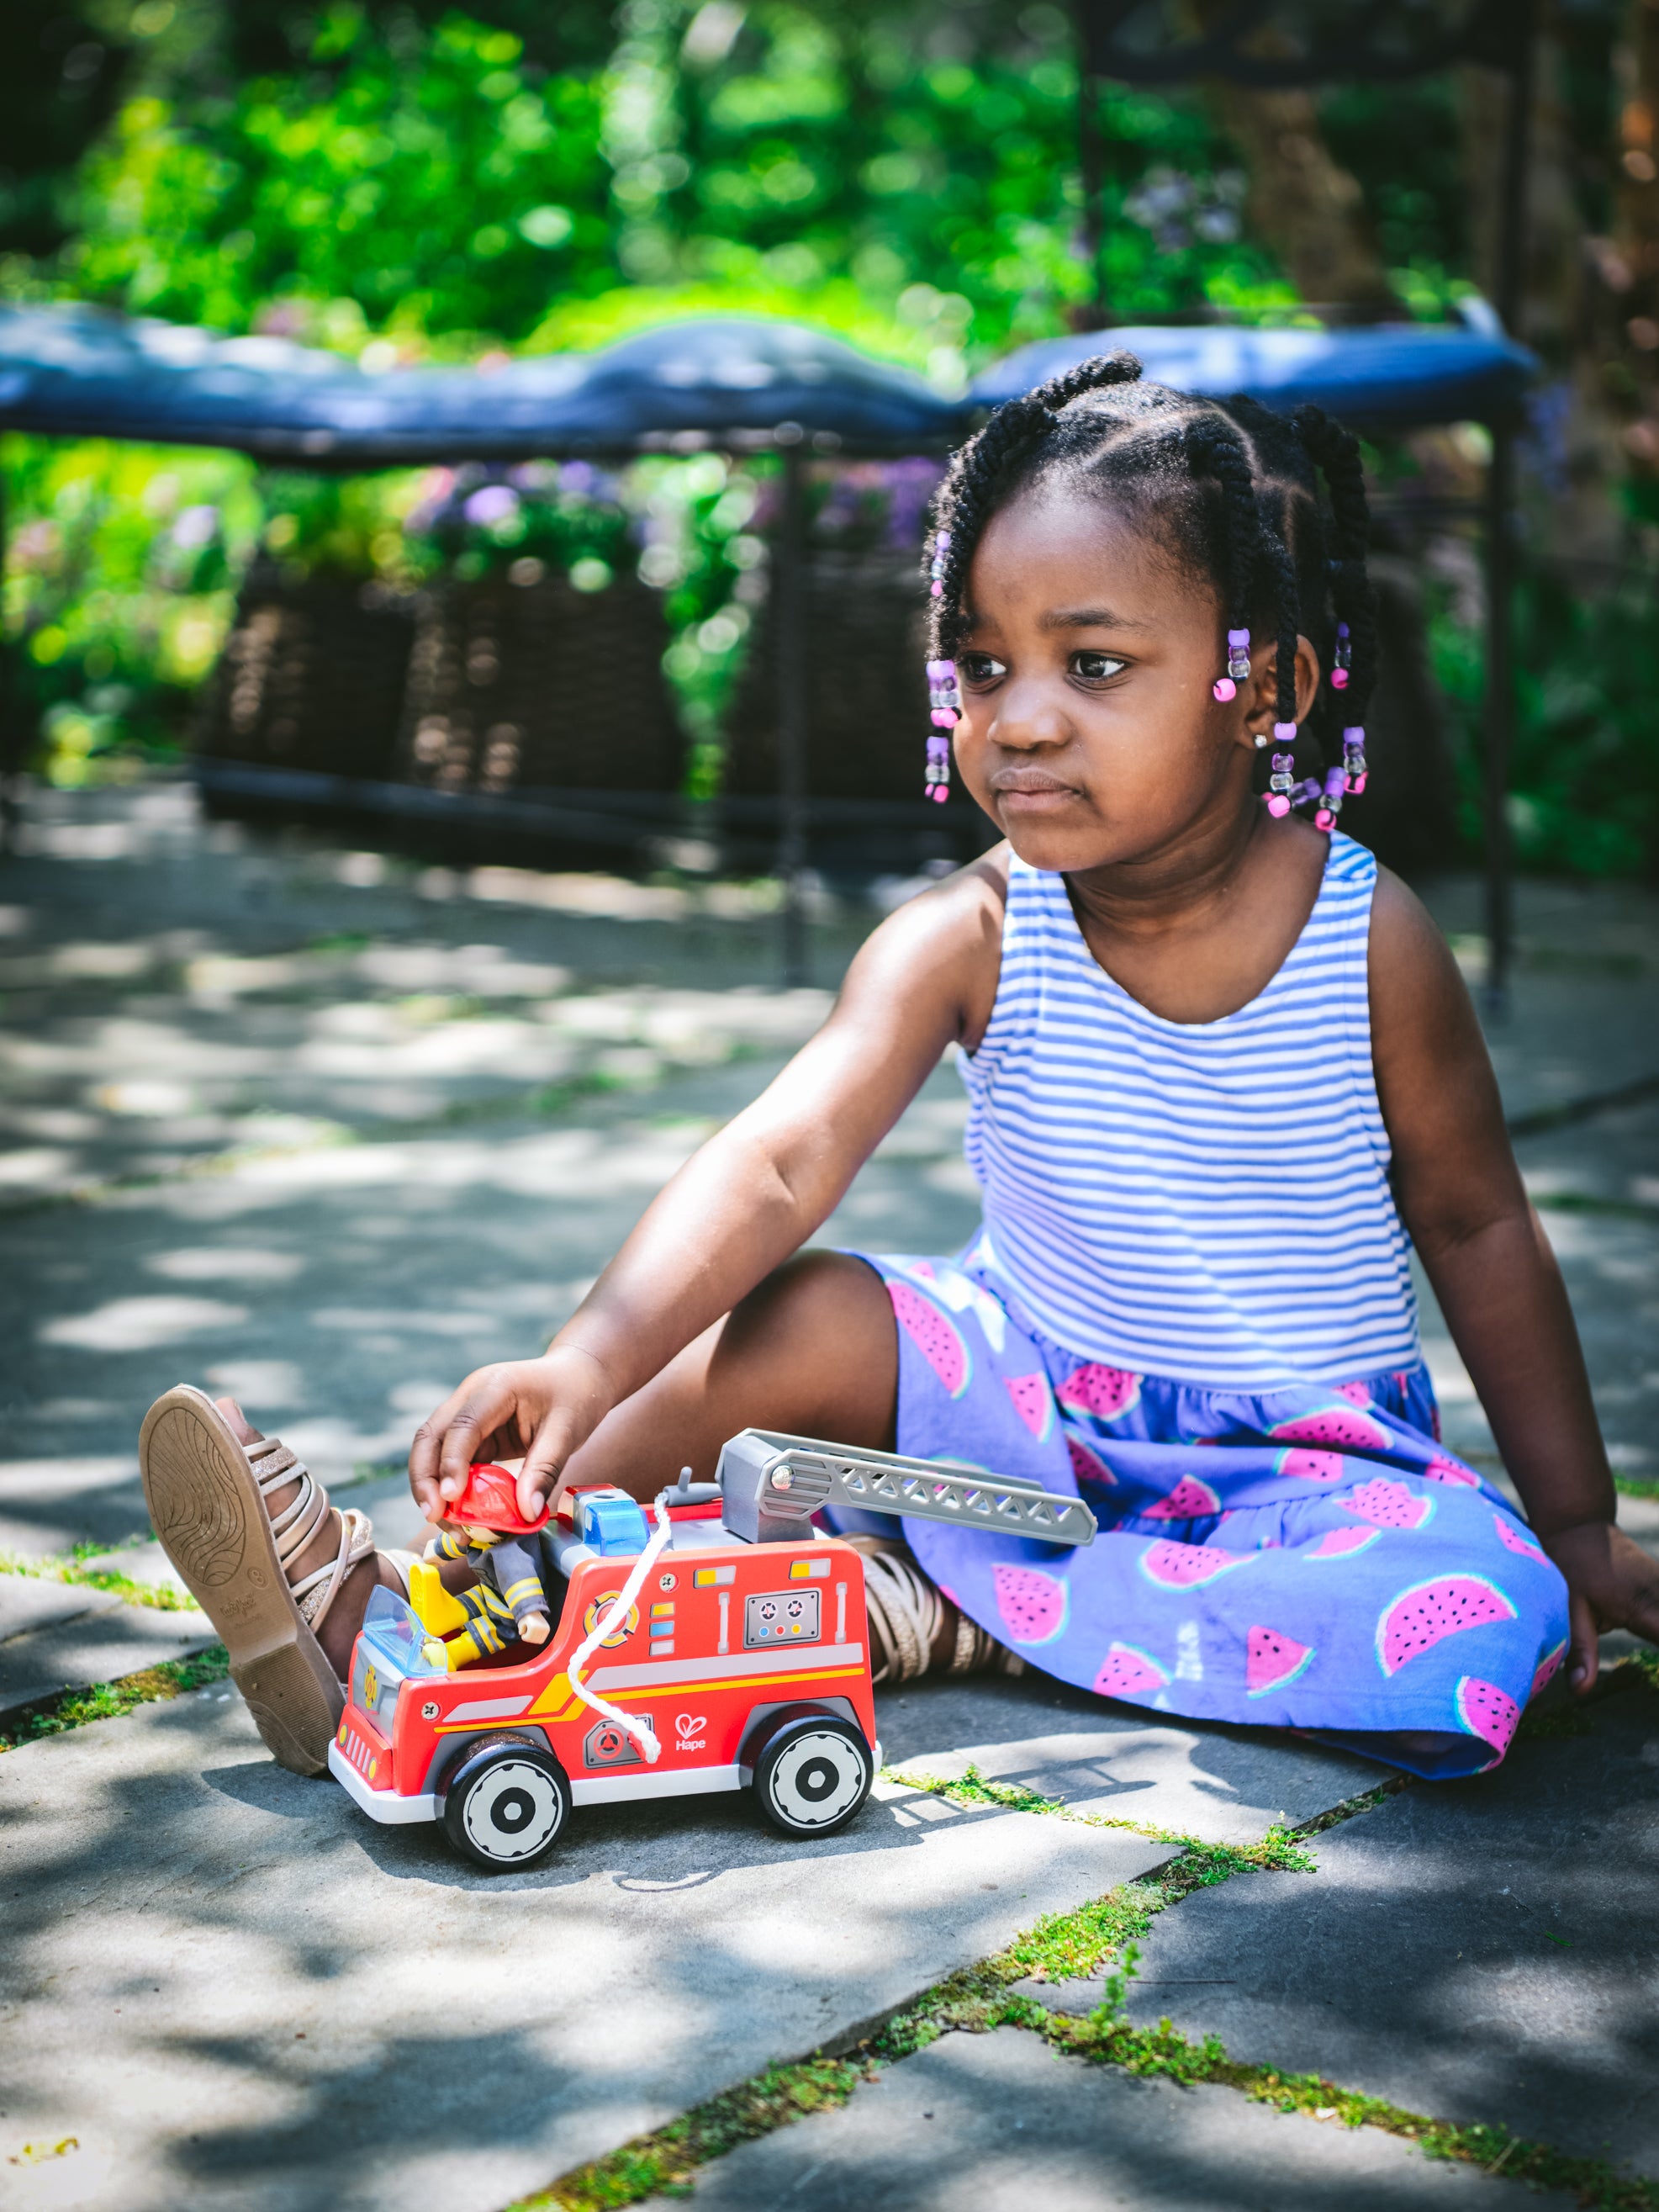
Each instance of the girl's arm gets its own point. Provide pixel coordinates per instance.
(744, 1202)
(1484, 1249)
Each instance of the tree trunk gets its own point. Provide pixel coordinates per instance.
(1303, 202)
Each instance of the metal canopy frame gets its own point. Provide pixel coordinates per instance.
(320, 451)
(1249, 44)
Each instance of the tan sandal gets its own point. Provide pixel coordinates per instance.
(207, 1494)
(906, 1613)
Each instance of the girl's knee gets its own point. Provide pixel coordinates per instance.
(816, 1290)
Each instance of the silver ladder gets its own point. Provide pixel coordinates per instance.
(772, 1485)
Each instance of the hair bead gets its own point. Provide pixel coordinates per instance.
(945, 702)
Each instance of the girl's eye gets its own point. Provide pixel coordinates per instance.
(979, 668)
(1095, 667)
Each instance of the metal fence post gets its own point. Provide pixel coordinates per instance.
(789, 632)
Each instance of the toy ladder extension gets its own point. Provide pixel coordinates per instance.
(774, 1484)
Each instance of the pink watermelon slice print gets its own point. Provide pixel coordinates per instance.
(1548, 1668)
(1087, 1468)
(934, 1336)
(1190, 1500)
(1107, 1392)
(1309, 1466)
(1420, 1616)
(1272, 1661)
(1187, 1567)
(1033, 1605)
(1387, 1504)
(1343, 1543)
(1357, 1394)
(1512, 1540)
(1447, 1470)
(1488, 1712)
(1033, 1402)
(1343, 1425)
(1128, 1673)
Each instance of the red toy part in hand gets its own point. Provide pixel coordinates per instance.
(490, 1500)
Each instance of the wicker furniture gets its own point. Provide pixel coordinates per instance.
(538, 685)
(863, 617)
(312, 676)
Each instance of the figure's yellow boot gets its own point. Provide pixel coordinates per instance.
(462, 1650)
(432, 1605)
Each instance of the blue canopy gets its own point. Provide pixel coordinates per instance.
(1394, 376)
(80, 372)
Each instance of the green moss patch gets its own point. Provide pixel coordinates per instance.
(107, 1701)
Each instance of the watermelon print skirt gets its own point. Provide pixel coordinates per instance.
(1308, 1558)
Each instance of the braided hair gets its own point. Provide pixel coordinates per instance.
(1232, 490)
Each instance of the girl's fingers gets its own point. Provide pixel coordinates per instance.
(539, 1475)
(1585, 1656)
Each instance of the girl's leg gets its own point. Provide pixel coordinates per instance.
(813, 1351)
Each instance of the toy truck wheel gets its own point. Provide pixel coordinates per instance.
(813, 1775)
(507, 1802)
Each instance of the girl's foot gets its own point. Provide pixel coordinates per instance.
(283, 1576)
(913, 1628)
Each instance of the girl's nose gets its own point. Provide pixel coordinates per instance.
(1027, 716)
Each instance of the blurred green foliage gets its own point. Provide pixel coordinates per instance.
(1584, 785)
(405, 179)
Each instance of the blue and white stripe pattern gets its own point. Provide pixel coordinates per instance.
(1209, 1201)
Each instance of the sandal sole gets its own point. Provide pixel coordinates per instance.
(213, 1525)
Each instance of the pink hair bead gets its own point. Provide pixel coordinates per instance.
(937, 588)
(1339, 679)
(1224, 688)
(1278, 805)
(1284, 732)
(1324, 819)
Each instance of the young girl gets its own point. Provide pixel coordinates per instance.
(1223, 1075)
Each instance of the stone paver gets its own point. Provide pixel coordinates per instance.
(233, 1991)
(1224, 1784)
(229, 1987)
(1487, 1950)
(1004, 2123)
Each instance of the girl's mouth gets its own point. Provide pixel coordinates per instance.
(1022, 792)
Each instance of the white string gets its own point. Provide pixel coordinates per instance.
(636, 1726)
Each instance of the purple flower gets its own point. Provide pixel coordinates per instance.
(195, 527)
(494, 503)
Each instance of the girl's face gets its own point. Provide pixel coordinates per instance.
(1088, 730)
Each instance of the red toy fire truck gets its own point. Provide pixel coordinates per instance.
(725, 1649)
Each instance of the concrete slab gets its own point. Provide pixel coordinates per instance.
(1223, 1785)
(1004, 2122)
(1485, 1950)
(96, 1645)
(31, 1601)
(235, 1991)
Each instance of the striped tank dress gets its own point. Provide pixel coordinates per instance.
(1190, 1303)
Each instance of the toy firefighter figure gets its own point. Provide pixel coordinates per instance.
(507, 1600)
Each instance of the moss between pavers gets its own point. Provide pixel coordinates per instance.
(70, 1567)
(1065, 1947)
(103, 1701)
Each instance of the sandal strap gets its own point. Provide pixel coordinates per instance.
(273, 1464)
(270, 1459)
(317, 1592)
(904, 1608)
(293, 1528)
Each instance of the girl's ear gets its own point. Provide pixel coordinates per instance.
(1263, 711)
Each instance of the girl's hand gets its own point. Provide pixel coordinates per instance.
(544, 1409)
(1612, 1584)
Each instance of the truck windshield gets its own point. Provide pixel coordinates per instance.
(397, 1639)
